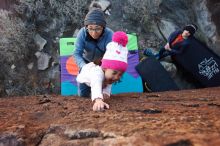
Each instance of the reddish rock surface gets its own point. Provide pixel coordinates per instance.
(184, 118)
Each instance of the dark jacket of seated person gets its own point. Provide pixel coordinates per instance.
(177, 41)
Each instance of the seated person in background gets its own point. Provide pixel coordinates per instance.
(100, 78)
(177, 42)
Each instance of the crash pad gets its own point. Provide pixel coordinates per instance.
(200, 62)
(155, 76)
(130, 81)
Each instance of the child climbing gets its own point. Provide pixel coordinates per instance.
(100, 78)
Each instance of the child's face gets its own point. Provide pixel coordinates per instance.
(94, 31)
(112, 76)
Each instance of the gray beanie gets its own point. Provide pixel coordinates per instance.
(95, 16)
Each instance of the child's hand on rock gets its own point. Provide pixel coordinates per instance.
(100, 105)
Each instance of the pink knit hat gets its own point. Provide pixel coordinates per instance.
(120, 37)
(116, 54)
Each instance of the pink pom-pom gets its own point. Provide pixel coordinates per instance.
(120, 37)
